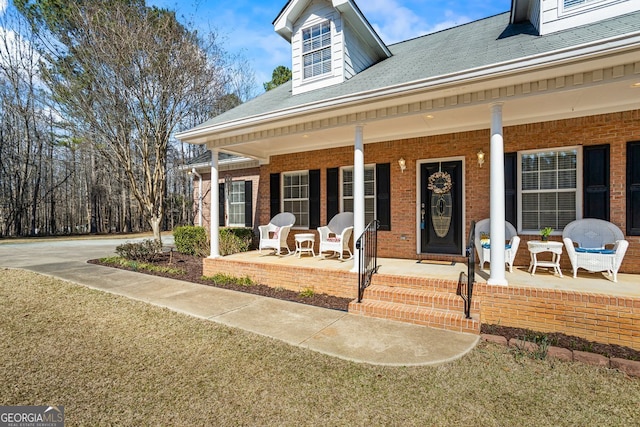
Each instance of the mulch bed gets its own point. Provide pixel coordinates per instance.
(192, 266)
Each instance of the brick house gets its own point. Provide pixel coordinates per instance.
(534, 114)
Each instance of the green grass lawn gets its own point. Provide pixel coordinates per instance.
(114, 361)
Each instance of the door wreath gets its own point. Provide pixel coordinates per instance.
(441, 202)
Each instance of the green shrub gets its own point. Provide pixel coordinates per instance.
(191, 240)
(147, 250)
(136, 265)
(235, 240)
(307, 293)
(222, 279)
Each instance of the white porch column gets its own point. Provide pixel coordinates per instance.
(358, 192)
(497, 203)
(214, 225)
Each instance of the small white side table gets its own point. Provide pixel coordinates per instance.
(538, 246)
(304, 243)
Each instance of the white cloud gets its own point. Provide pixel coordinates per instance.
(395, 23)
(451, 20)
(3, 6)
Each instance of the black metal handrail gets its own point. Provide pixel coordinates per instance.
(465, 290)
(367, 245)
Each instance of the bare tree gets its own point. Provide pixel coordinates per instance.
(128, 75)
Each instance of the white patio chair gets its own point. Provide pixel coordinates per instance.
(274, 235)
(335, 236)
(483, 248)
(587, 241)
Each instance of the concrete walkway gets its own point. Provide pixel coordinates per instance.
(331, 332)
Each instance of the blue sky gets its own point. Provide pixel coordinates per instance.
(246, 25)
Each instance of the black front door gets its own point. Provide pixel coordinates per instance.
(440, 191)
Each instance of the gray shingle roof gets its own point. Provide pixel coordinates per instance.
(206, 158)
(480, 43)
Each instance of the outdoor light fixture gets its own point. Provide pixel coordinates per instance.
(480, 158)
(402, 163)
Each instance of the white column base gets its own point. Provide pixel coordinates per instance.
(498, 282)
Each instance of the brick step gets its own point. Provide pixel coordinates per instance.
(419, 297)
(412, 282)
(429, 307)
(442, 319)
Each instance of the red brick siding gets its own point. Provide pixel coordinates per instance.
(296, 278)
(252, 174)
(614, 129)
(600, 318)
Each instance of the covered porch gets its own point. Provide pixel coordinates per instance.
(628, 285)
(424, 292)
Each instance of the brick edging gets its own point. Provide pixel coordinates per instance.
(629, 367)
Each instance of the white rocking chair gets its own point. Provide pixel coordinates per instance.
(483, 248)
(274, 235)
(595, 245)
(335, 236)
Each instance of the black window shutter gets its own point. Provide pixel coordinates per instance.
(314, 198)
(333, 190)
(633, 188)
(595, 182)
(248, 204)
(221, 221)
(274, 194)
(510, 190)
(383, 195)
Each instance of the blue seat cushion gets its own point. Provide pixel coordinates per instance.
(596, 251)
(488, 246)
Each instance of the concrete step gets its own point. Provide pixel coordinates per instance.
(444, 310)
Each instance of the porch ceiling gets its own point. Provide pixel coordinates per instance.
(547, 94)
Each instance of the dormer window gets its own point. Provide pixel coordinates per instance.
(568, 4)
(316, 50)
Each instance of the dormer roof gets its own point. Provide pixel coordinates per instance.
(290, 13)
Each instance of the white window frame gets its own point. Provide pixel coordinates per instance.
(582, 5)
(578, 189)
(299, 224)
(319, 50)
(368, 215)
(240, 185)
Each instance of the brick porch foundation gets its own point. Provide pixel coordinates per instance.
(596, 317)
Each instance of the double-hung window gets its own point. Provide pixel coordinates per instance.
(316, 50)
(295, 199)
(237, 204)
(369, 192)
(549, 187)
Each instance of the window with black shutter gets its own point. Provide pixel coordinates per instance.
(511, 188)
(221, 202)
(333, 191)
(633, 188)
(383, 195)
(274, 194)
(248, 204)
(314, 199)
(595, 180)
